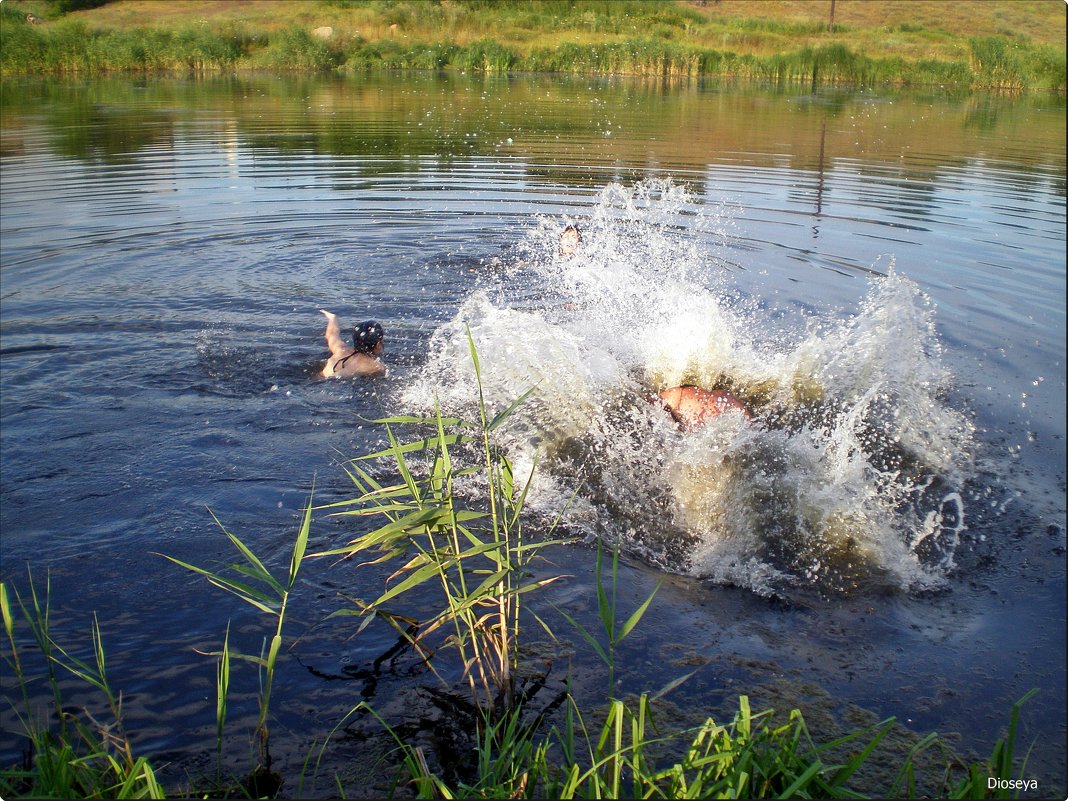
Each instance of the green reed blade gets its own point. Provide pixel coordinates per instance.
(222, 690)
(443, 441)
(255, 574)
(425, 444)
(470, 535)
(5, 612)
(474, 357)
(632, 621)
(392, 531)
(502, 416)
(489, 549)
(363, 475)
(482, 590)
(429, 421)
(535, 585)
(246, 593)
(98, 654)
(388, 556)
(604, 611)
(803, 780)
(386, 509)
(262, 572)
(249, 555)
(671, 685)
(858, 759)
(517, 507)
(743, 721)
(402, 466)
(414, 580)
(1005, 766)
(9, 628)
(301, 544)
(596, 646)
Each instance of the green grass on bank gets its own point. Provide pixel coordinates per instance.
(989, 44)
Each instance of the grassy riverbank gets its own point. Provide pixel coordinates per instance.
(1005, 44)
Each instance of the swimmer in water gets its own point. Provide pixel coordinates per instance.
(362, 359)
(692, 407)
(570, 241)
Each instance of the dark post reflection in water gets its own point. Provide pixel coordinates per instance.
(819, 181)
(166, 246)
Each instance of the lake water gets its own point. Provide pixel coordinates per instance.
(879, 275)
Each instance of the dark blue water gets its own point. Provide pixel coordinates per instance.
(165, 249)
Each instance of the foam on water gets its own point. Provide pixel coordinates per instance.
(849, 473)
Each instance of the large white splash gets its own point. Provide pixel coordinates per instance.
(846, 476)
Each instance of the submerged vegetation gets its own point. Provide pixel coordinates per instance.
(453, 510)
(965, 44)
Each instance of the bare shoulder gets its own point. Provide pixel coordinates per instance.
(370, 366)
(359, 364)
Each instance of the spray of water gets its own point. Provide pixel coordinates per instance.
(847, 474)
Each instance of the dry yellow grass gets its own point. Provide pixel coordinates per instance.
(869, 21)
(1041, 20)
(266, 14)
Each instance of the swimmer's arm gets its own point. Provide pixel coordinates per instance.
(333, 336)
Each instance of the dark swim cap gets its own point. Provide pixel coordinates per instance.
(366, 336)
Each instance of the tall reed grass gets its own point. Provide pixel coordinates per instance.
(607, 611)
(254, 584)
(629, 755)
(475, 555)
(69, 47)
(749, 757)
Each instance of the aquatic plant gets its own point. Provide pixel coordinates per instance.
(477, 556)
(257, 587)
(222, 692)
(81, 757)
(990, 779)
(628, 756)
(750, 757)
(606, 611)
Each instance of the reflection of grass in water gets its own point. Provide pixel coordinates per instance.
(115, 120)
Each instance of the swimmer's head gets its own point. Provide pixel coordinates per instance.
(570, 240)
(367, 337)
